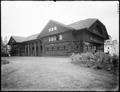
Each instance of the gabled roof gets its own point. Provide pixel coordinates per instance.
(18, 38)
(83, 23)
(31, 37)
(45, 32)
(87, 23)
(61, 24)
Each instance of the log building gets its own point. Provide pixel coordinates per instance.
(57, 39)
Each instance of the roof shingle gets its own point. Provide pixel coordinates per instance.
(18, 38)
(83, 23)
(31, 37)
(74, 26)
(23, 39)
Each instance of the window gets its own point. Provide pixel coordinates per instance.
(54, 38)
(49, 29)
(57, 38)
(60, 37)
(55, 28)
(52, 29)
(49, 39)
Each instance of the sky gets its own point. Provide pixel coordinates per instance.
(25, 18)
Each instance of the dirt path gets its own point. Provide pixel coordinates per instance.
(48, 73)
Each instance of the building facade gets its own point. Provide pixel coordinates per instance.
(111, 47)
(57, 39)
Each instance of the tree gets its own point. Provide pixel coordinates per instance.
(4, 49)
(5, 40)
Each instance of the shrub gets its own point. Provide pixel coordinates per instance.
(76, 57)
(99, 60)
(4, 61)
(115, 64)
(83, 58)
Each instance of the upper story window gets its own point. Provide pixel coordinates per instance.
(55, 38)
(52, 39)
(55, 28)
(60, 37)
(52, 29)
(49, 39)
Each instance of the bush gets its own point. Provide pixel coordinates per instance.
(99, 60)
(3, 54)
(84, 58)
(4, 61)
(115, 64)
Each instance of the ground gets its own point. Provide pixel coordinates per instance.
(53, 73)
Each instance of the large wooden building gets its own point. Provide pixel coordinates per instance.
(57, 39)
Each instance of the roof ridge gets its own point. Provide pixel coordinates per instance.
(32, 35)
(86, 23)
(83, 20)
(17, 36)
(51, 20)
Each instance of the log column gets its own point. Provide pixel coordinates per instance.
(28, 49)
(18, 51)
(35, 48)
(43, 49)
(38, 48)
(30, 53)
(25, 50)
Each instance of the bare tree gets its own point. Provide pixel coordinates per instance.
(5, 40)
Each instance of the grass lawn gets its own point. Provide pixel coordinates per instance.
(53, 73)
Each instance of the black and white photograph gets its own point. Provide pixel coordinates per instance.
(59, 45)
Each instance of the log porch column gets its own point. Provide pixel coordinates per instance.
(25, 49)
(38, 48)
(28, 49)
(18, 52)
(35, 48)
(43, 49)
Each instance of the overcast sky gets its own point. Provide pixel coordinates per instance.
(24, 18)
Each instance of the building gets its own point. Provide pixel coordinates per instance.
(111, 47)
(29, 46)
(57, 39)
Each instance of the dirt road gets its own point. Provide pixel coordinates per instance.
(52, 73)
